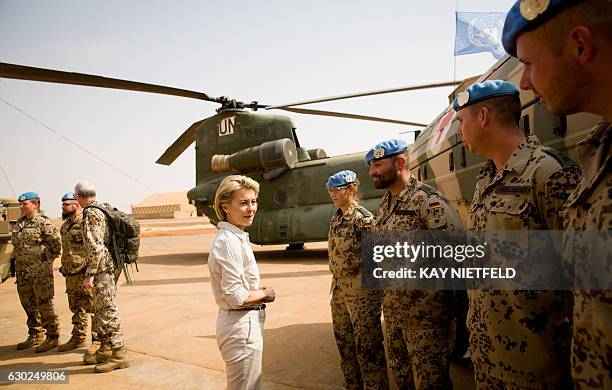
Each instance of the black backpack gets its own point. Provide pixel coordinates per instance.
(124, 241)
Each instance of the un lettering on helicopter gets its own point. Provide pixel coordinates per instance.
(294, 206)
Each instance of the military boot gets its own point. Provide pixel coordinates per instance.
(74, 342)
(48, 344)
(100, 356)
(31, 341)
(117, 360)
(95, 345)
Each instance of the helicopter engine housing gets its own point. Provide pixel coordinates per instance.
(268, 156)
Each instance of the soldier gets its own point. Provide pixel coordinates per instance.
(521, 187)
(417, 322)
(36, 244)
(355, 311)
(99, 275)
(73, 266)
(567, 52)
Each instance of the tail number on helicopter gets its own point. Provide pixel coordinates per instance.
(226, 126)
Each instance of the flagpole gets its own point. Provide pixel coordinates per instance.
(454, 56)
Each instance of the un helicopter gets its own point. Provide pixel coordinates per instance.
(294, 207)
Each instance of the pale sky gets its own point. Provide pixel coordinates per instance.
(273, 52)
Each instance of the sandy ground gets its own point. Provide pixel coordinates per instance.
(169, 318)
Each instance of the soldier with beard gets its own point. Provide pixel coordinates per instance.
(417, 322)
(73, 267)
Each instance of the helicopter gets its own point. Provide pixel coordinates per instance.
(294, 206)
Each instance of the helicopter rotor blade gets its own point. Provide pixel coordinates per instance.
(370, 93)
(180, 144)
(21, 72)
(350, 116)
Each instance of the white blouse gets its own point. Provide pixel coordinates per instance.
(233, 270)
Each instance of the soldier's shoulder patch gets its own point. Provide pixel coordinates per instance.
(363, 211)
(429, 190)
(364, 222)
(434, 204)
(561, 157)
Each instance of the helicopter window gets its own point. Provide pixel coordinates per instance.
(295, 138)
(559, 125)
(451, 162)
(524, 124)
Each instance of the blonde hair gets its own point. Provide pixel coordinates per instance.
(229, 185)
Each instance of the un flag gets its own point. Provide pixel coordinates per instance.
(479, 31)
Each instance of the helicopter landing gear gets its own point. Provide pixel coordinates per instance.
(295, 247)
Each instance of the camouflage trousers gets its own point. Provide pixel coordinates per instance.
(106, 313)
(357, 328)
(592, 340)
(418, 328)
(484, 381)
(36, 296)
(80, 302)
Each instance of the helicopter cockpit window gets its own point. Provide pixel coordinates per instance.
(295, 138)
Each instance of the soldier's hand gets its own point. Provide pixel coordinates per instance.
(88, 282)
(270, 294)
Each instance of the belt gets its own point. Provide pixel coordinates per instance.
(260, 307)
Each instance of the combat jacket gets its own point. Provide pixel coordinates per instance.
(97, 235)
(417, 207)
(73, 247)
(590, 208)
(522, 336)
(344, 245)
(36, 244)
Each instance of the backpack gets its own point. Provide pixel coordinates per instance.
(124, 241)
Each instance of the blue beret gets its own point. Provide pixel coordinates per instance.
(341, 179)
(386, 149)
(69, 196)
(526, 15)
(28, 196)
(482, 91)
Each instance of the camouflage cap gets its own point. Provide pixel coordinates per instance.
(526, 15)
(341, 179)
(482, 91)
(28, 196)
(386, 149)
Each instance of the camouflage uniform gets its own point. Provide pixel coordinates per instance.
(355, 311)
(96, 233)
(418, 323)
(519, 339)
(590, 208)
(73, 267)
(36, 244)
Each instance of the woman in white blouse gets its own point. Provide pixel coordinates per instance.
(234, 279)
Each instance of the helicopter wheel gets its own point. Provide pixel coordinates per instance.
(295, 247)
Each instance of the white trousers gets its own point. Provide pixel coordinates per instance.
(240, 340)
